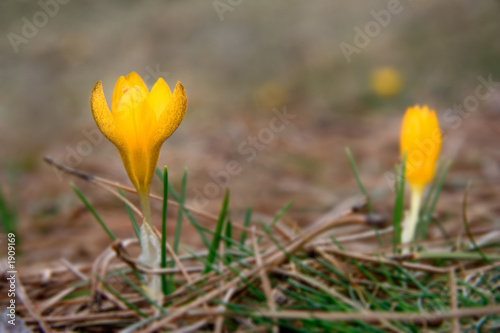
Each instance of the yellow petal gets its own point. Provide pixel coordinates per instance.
(133, 80)
(159, 96)
(140, 165)
(120, 89)
(135, 119)
(102, 116)
(127, 112)
(171, 117)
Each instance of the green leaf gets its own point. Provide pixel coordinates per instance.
(190, 216)
(7, 216)
(137, 230)
(217, 235)
(181, 201)
(246, 224)
(164, 282)
(354, 169)
(93, 211)
(398, 213)
(426, 215)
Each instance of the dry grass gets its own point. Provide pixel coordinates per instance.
(279, 278)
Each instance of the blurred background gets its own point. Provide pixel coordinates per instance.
(280, 87)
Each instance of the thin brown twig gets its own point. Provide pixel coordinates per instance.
(368, 316)
(99, 270)
(192, 328)
(120, 197)
(103, 182)
(21, 293)
(480, 269)
(54, 299)
(220, 319)
(380, 259)
(57, 297)
(72, 319)
(140, 267)
(266, 284)
(454, 301)
(74, 269)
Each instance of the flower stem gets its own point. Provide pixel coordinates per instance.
(151, 247)
(411, 222)
(145, 207)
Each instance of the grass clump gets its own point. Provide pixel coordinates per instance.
(254, 276)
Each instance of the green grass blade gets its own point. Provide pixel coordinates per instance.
(93, 211)
(164, 282)
(427, 200)
(229, 234)
(190, 216)
(337, 243)
(217, 235)
(135, 225)
(246, 224)
(136, 326)
(427, 215)
(142, 293)
(204, 261)
(181, 201)
(458, 256)
(467, 225)
(7, 216)
(121, 298)
(159, 174)
(278, 216)
(399, 203)
(228, 237)
(362, 187)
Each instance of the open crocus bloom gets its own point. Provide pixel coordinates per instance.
(139, 122)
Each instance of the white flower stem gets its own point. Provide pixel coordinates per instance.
(146, 207)
(151, 249)
(411, 221)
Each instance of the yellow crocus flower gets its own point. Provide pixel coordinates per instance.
(421, 142)
(138, 124)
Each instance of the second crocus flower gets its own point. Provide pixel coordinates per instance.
(420, 144)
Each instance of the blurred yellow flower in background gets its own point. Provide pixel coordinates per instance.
(386, 82)
(421, 144)
(271, 94)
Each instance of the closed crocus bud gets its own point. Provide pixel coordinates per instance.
(421, 144)
(421, 140)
